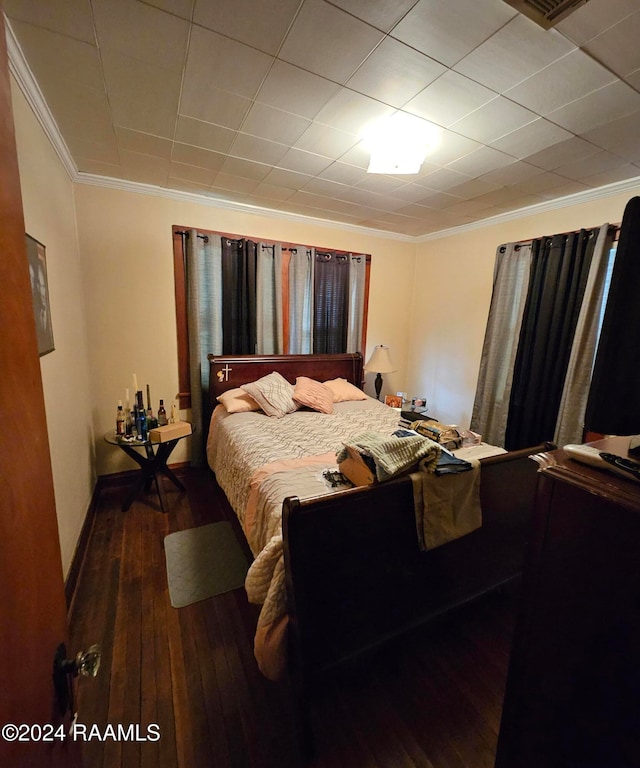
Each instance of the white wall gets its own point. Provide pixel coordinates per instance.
(450, 314)
(126, 245)
(49, 213)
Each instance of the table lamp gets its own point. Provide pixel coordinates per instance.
(379, 363)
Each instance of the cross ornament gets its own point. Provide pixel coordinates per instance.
(223, 375)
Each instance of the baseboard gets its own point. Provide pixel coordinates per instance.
(103, 481)
(73, 575)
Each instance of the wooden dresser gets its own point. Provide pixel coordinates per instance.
(573, 689)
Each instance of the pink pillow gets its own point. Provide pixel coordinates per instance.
(237, 401)
(343, 390)
(313, 394)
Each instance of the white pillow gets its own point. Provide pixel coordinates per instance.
(273, 393)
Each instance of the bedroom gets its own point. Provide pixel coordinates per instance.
(100, 339)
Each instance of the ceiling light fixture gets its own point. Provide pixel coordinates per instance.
(399, 144)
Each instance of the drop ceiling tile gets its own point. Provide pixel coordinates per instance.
(99, 152)
(438, 200)
(414, 193)
(328, 42)
(521, 47)
(443, 179)
(235, 183)
(448, 31)
(531, 138)
(481, 161)
(358, 155)
(382, 14)
(281, 177)
(384, 185)
(472, 188)
(55, 59)
(145, 143)
(493, 120)
(204, 177)
(562, 153)
(451, 147)
(364, 197)
(564, 190)
(590, 166)
(202, 158)
(261, 25)
(565, 80)
(304, 162)
(258, 150)
(245, 169)
(269, 192)
(352, 112)
(72, 18)
(202, 134)
(344, 173)
(181, 8)
(81, 112)
(597, 108)
(621, 173)
(634, 79)
(395, 73)
(591, 19)
(294, 90)
(542, 183)
(216, 106)
(191, 187)
(318, 186)
(214, 60)
(617, 47)
(511, 174)
(99, 169)
(141, 32)
(619, 136)
(327, 141)
(449, 98)
(274, 124)
(147, 102)
(146, 169)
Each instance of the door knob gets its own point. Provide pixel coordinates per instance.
(85, 663)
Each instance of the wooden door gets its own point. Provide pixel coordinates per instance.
(32, 602)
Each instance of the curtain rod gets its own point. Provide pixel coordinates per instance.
(186, 234)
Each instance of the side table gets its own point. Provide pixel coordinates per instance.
(152, 459)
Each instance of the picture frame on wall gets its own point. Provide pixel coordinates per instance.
(36, 255)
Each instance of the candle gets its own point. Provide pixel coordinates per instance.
(135, 383)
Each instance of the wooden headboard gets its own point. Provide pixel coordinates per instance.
(229, 371)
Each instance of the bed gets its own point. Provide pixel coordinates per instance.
(345, 562)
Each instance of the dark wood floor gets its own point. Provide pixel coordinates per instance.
(432, 699)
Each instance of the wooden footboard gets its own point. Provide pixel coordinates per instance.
(355, 575)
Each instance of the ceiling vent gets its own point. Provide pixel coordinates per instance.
(546, 13)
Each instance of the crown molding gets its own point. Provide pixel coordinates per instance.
(27, 83)
(598, 193)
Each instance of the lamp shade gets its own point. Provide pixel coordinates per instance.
(380, 361)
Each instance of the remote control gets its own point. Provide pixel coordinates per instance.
(587, 454)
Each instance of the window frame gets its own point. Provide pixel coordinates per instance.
(180, 289)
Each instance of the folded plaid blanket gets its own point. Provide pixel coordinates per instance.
(392, 455)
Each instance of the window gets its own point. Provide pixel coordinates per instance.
(266, 297)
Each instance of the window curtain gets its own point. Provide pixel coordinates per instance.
(559, 270)
(357, 280)
(614, 400)
(331, 308)
(269, 309)
(239, 273)
(301, 289)
(570, 424)
(493, 392)
(204, 323)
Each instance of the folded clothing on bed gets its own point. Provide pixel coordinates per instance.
(392, 454)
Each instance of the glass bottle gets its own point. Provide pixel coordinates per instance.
(162, 415)
(121, 422)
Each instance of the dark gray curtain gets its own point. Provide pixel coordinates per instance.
(331, 302)
(613, 406)
(239, 269)
(559, 271)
